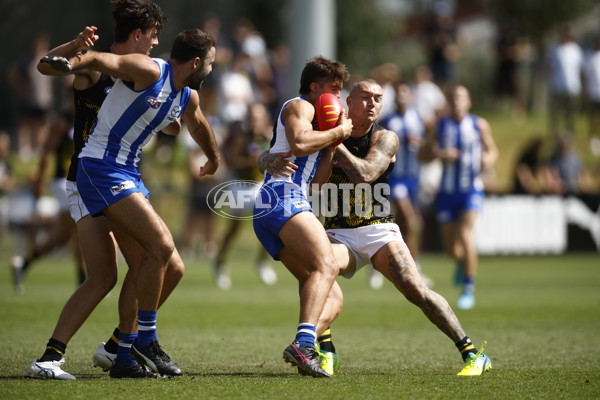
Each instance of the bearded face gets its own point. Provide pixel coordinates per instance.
(195, 80)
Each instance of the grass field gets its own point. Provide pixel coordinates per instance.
(540, 316)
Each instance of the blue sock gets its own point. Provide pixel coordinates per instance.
(124, 349)
(306, 335)
(146, 328)
(469, 284)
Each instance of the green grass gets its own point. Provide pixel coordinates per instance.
(540, 316)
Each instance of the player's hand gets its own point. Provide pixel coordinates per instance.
(87, 37)
(209, 168)
(57, 63)
(346, 124)
(277, 165)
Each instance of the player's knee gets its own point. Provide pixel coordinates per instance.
(176, 267)
(162, 250)
(103, 283)
(330, 268)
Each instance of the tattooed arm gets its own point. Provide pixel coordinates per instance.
(382, 151)
(276, 164)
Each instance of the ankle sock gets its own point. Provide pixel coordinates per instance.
(306, 335)
(325, 342)
(465, 346)
(112, 344)
(146, 328)
(124, 351)
(54, 351)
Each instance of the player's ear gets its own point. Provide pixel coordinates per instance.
(137, 34)
(314, 87)
(197, 63)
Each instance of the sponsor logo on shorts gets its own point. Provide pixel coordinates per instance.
(301, 204)
(121, 187)
(241, 199)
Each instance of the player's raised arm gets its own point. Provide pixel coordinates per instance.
(85, 38)
(137, 68)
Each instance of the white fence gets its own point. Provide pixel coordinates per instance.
(532, 225)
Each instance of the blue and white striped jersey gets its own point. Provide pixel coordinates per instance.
(411, 132)
(307, 165)
(462, 175)
(129, 118)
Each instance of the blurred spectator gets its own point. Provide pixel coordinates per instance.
(236, 91)
(442, 46)
(7, 180)
(565, 65)
(592, 93)
(526, 179)
(280, 62)
(252, 48)
(209, 95)
(428, 98)
(58, 147)
(34, 96)
(566, 172)
(200, 225)
(430, 103)
(508, 55)
(246, 141)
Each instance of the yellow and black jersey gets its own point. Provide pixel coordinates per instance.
(358, 204)
(87, 105)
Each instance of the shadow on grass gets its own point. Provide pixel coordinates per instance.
(79, 376)
(238, 374)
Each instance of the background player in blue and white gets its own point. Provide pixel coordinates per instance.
(407, 123)
(150, 95)
(465, 144)
(291, 232)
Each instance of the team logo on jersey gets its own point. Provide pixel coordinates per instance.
(174, 113)
(153, 102)
(122, 187)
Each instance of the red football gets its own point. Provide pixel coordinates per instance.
(328, 109)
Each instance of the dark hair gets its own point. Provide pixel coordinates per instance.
(191, 43)
(130, 15)
(320, 69)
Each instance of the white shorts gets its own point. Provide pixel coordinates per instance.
(365, 241)
(59, 191)
(76, 207)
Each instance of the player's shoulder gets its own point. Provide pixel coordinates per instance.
(384, 138)
(480, 122)
(298, 106)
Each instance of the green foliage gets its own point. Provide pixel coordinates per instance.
(366, 37)
(537, 17)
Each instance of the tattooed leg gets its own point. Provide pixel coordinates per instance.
(396, 264)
